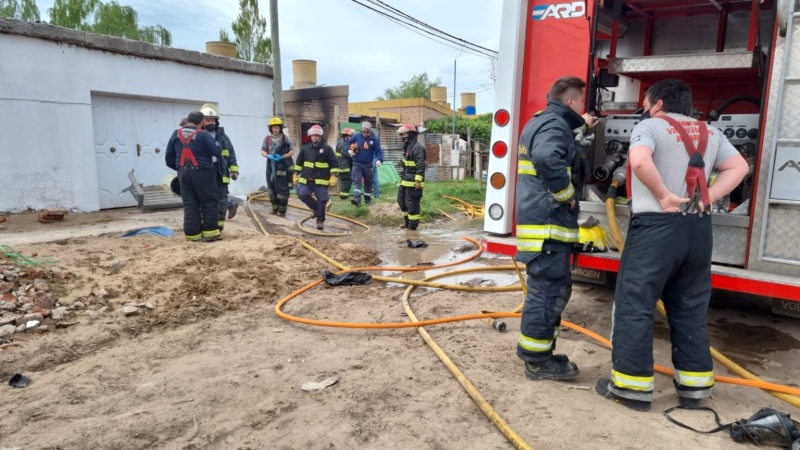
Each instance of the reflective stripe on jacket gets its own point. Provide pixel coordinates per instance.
(547, 148)
(413, 164)
(315, 163)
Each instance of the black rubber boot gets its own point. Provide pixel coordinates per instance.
(552, 369)
(603, 388)
(320, 224)
(232, 210)
(355, 201)
(404, 225)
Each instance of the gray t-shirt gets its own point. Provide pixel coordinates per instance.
(671, 158)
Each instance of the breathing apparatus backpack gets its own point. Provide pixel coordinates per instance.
(766, 427)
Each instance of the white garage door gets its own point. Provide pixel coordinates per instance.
(132, 134)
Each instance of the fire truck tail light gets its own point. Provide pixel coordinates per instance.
(499, 149)
(501, 117)
(498, 180)
(495, 211)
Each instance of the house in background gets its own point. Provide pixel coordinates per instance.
(82, 110)
(307, 104)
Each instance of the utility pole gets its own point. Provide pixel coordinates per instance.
(277, 79)
(454, 97)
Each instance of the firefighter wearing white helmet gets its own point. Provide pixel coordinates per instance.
(227, 168)
(315, 160)
(278, 149)
(344, 164)
(412, 179)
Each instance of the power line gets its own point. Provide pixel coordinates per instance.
(401, 13)
(430, 34)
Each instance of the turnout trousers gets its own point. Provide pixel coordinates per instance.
(408, 198)
(667, 256)
(549, 289)
(345, 183)
(222, 196)
(278, 184)
(362, 175)
(200, 203)
(315, 196)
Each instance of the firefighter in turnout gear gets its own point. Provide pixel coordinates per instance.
(344, 164)
(192, 152)
(547, 225)
(316, 159)
(667, 252)
(412, 179)
(227, 168)
(278, 149)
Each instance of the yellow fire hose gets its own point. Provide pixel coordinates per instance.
(719, 357)
(480, 401)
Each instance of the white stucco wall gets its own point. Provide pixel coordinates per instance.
(47, 156)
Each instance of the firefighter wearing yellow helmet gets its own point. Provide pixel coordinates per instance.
(227, 167)
(278, 149)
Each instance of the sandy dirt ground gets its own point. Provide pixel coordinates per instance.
(213, 367)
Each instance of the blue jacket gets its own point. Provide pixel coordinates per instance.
(203, 146)
(366, 150)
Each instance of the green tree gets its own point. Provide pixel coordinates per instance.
(249, 30)
(418, 86)
(110, 18)
(26, 10)
(480, 126)
(223, 35)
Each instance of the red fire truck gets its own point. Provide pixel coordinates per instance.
(740, 60)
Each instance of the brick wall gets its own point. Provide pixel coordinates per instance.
(316, 105)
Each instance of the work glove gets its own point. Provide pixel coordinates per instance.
(234, 176)
(418, 185)
(294, 178)
(351, 153)
(377, 164)
(332, 180)
(275, 157)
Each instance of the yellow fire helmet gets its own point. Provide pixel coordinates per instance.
(591, 231)
(276, 121)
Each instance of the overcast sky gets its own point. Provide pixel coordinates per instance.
(351, 44)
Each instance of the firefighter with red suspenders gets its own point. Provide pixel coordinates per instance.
(191, 153)
(667, 251)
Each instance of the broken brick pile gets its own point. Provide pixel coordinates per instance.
(26, 302)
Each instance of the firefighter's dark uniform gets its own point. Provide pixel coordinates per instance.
(196, 173)
(226, 165)
(315, 162)
(408, 196)
(547, 227)
(343, 169)
(279, 173)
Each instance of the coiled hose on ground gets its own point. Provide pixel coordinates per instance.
(493, 416)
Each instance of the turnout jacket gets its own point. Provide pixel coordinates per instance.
(203, 146)
(343, 160)
(315, 162)
(227, 164)
(413, 164)
(547, 151)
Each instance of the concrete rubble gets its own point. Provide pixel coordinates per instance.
(28, 303)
